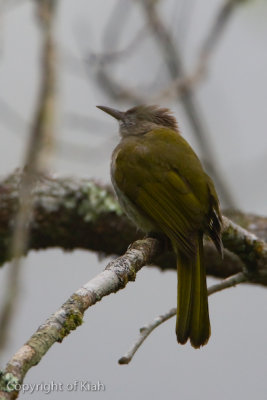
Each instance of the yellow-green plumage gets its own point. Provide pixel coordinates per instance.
(192, 300)
(163, 188)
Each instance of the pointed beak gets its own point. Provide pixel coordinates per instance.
(111, 111)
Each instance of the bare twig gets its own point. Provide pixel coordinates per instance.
(35, 161)
(234, 280)
(146, 330)
(144, 333)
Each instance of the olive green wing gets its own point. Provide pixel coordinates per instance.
(159, 190)
(173, 206)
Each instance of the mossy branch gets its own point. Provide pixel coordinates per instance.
(65, 205)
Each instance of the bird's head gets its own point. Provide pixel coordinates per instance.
(142, 119)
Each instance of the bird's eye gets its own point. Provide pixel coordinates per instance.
(126, 123)
(129, 123)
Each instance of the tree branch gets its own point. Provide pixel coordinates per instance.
(115, 277)
(65, 205)
(146, 330)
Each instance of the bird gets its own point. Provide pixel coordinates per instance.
(162, 187)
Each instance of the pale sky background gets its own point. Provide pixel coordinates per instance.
(233, 99)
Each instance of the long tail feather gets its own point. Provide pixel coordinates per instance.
(192, 303)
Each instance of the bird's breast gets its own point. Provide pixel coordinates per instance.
(127, 204)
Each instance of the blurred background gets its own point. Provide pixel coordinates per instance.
(207, 61)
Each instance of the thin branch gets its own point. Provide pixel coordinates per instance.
(146, 330)
(144, 333)
(115, 277)
(35, 162)
(227, 283)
